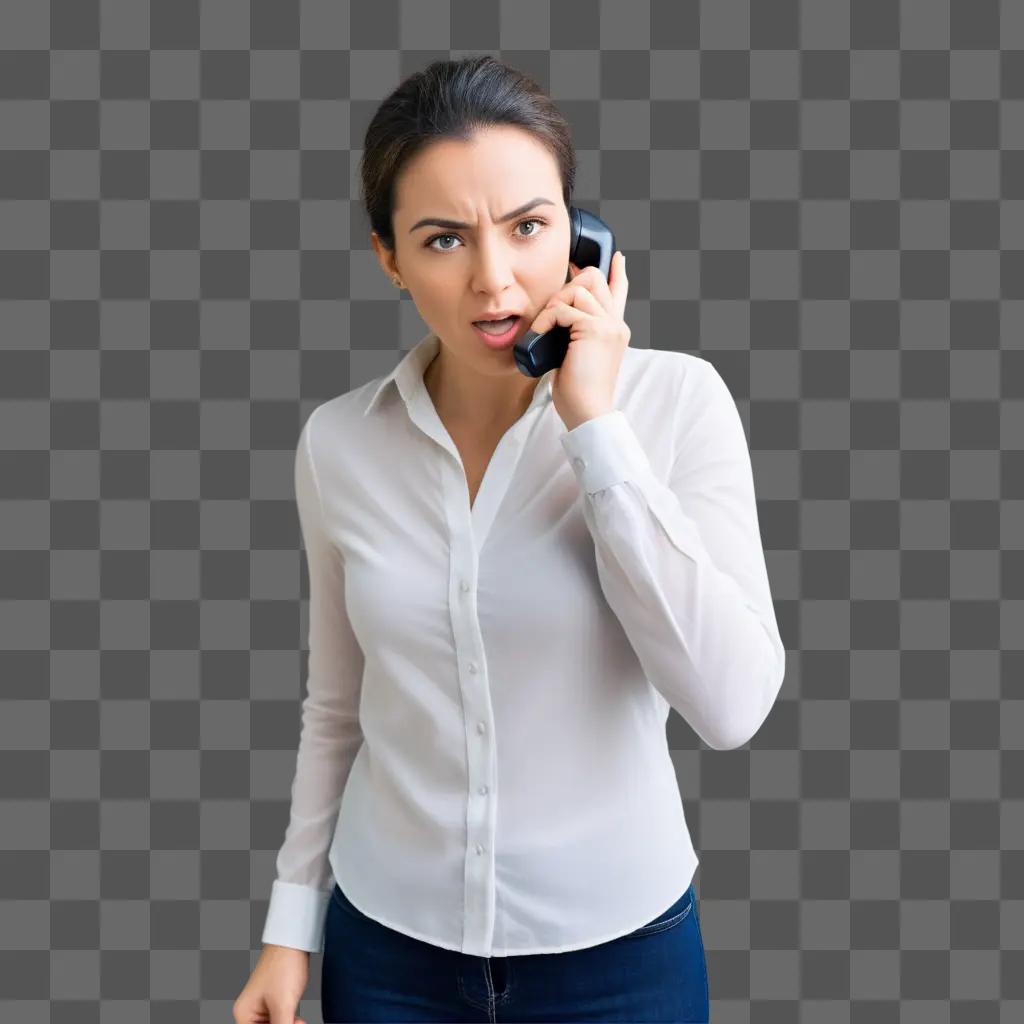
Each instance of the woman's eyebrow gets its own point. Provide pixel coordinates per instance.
(441, 222)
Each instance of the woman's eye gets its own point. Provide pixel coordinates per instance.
(447, 248)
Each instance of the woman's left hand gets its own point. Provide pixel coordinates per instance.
(592, 308)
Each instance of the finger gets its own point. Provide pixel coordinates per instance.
(592, 278)
(557, 312)
(618, 282)
(584, 298)
(566, 292)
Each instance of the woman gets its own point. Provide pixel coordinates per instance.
(512, 581)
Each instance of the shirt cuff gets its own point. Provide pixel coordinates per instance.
(296, 916)
(605, 450)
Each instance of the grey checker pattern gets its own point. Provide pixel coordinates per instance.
(824, 198)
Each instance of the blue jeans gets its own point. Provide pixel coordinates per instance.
(373, 973)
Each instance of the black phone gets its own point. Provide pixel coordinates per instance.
(591, 244)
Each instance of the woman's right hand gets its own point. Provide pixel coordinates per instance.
(275, 987)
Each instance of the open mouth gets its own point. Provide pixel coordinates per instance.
(497, 332)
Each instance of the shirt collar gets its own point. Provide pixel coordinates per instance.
(408, 375)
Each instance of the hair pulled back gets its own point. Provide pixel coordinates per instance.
(454, 99)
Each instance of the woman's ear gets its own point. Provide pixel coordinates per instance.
(385, 256)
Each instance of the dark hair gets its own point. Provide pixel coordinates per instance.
(453, 99)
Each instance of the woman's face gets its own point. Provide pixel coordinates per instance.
(459, 274)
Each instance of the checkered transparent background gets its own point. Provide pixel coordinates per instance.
(824, 198)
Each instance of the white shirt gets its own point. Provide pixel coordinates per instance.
(483, 761)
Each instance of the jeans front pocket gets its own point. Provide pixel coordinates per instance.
(668, 918)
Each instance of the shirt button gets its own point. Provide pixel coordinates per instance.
(479, 848)
(480, 727)
(483, 789)
(464, 586)
(579, 463)
(472, 666)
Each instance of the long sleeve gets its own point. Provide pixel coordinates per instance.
(330, 731)
(681, 562)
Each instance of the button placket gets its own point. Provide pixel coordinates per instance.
(479, 873)
(466, 538)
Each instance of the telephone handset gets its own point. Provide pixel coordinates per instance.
(591, 244)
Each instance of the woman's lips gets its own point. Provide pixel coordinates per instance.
(500, 340)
